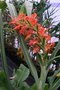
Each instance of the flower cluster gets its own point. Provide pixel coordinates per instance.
(34, 33)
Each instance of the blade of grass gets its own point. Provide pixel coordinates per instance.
(4, 62)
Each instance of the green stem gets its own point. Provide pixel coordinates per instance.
(4, 62)
(27, 59)
(42, 79)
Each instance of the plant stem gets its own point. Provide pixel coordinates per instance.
(4, 62)
(27, 59)
(42, 78)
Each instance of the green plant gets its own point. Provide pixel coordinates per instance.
(37, 37)
(2, 5)
(18, 80)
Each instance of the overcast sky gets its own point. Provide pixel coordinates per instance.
(56, 6)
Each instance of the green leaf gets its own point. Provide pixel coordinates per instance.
(3, 81)
(34, 87)
(56, 72)
(3, 5)
(51, 60)
(52, 78)
(3, 55)
(55, 85)
(54, 81)
(26, 86)
(27, 59)
(43, 9)
(39, 57)
(56, 50)
(22, 86)
(46, 87)
(29, 7)
(23, 9)
(53, 56)
(20, 75)
(12, 9)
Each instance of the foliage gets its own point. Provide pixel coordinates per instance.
(3, 81)
(40, 9)
(20, 76)
(55, 30)
(31, 35)
(3, 5)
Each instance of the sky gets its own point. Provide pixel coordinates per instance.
(55, 1)
(56, 6)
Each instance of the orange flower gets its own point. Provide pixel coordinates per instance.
(42, 31)
(34, 15)
(14, 21)
(17, 27)
(33, 42)
(32, 19)
(49, 47)
(21, 16)
(26, 26)
(27, 37)
(23, 29)
(36, 49)
(52, 45)
(30, 31)
(48, 37)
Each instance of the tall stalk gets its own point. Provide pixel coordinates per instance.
(4, 62)
(42, 79)
(27, 59)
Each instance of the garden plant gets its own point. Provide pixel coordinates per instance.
(32, 36)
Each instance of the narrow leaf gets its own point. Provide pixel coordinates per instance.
(56, 50)
(27, 59)
(12, 9)
(52, 78)
(51, 60)
(3, 55)
(56, 85)
(23, 9)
